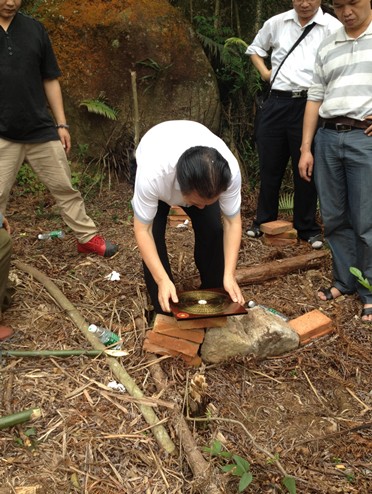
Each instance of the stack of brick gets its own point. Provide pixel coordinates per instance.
(177, 216)
(311, 325)
(279, 233)
(179, 338)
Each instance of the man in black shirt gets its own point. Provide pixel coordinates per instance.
(28, 86)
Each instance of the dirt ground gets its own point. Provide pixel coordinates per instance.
(309, 409)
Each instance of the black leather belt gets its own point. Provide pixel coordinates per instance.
(302, 93)
(344, 124)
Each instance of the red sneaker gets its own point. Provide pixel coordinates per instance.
(5, 332)
(98, 245)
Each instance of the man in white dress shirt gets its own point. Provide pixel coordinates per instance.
(279, 132)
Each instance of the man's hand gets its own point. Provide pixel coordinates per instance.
(6, 226)
(166, 291)
(368, 130)
(65, 137)
(306, 165)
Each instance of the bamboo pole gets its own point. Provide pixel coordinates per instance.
(118, 370)
(60, 353)
(133, 78)
(19, 417)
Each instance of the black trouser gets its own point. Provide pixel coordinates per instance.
(279, 138)
(208, 250)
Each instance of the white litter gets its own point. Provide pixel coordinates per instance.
(116, 386)
(183, 225)
(114, 276)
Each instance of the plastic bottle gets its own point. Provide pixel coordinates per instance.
(105, 336)
(252, 304)
(53, 234)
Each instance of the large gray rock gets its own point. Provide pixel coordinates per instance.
(259, 333)
(100, 43)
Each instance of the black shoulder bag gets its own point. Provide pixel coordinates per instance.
(263, 94)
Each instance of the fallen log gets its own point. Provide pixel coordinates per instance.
(279, 267)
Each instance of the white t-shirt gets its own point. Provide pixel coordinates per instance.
(157, 155)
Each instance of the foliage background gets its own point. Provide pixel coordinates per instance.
(215, 22)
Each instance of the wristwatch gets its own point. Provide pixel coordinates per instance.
(62, 126)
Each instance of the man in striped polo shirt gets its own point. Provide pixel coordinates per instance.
(341, 95)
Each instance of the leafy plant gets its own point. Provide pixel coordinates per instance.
(156, 70)
(363, 281)
(99, 106)
(286, 202)
(28, 180)
(28, 439)
(290, 484)
(238, 466)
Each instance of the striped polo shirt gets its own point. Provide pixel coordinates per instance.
(343, 76)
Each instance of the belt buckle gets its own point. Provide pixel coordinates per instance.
(340, 127)
(299, 94)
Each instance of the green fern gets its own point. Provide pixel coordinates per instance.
(236, 41)
(100, 107)
(286, 202)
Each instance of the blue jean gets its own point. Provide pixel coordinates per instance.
(343, 178)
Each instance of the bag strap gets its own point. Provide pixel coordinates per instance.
(304, 33)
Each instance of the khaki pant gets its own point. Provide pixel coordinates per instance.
(49, 162)
(5, 253)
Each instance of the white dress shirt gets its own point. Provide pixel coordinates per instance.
(279, 34)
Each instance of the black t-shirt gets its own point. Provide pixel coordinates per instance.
(26, 59)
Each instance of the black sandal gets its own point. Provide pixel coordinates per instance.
(327, 293)
(366, 311)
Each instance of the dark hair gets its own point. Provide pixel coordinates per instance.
(203, 170)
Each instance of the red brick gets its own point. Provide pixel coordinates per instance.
(276, 240)
(194, 361)
(187, 347)
(311, 325)
(292, 233)
(196, 335)
(318, 335)
(152, 348)
(178, 217)
(276, 227)
(176, 210)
